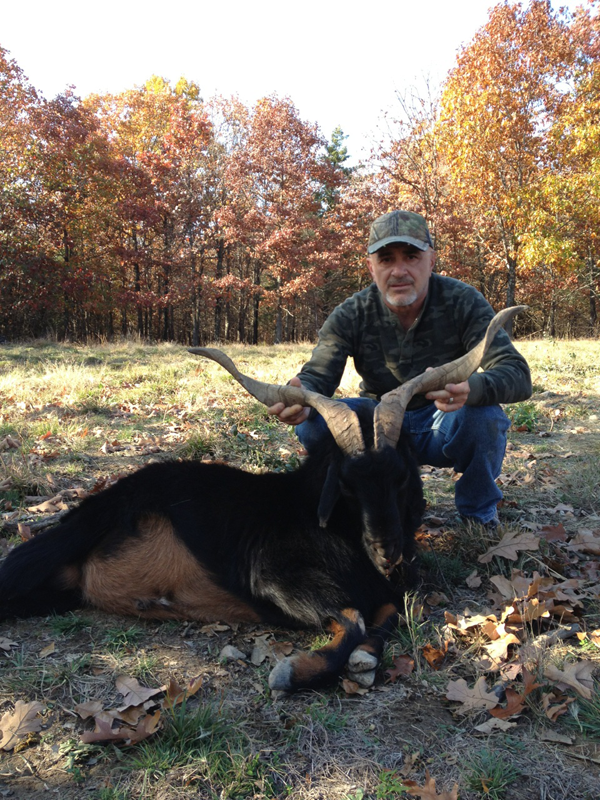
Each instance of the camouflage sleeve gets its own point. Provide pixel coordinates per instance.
(323, 371)
(505, 377)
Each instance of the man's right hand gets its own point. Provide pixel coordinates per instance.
(290, 415)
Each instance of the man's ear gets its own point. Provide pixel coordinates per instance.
(370, 266)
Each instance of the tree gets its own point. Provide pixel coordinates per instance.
(497, 105)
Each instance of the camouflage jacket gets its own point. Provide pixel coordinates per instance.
(452, 321)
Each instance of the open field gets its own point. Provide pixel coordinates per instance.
(73, 417)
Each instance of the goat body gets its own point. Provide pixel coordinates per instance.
(208, 542)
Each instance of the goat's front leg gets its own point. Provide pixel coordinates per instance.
(365, 658)
(323, 666)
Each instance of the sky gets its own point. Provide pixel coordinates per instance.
(340, 64)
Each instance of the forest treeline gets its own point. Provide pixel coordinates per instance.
(159, 213)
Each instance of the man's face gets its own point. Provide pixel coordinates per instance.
(401, 273)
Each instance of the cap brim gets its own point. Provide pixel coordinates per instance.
(421, 245)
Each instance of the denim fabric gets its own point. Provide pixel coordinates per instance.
(472, 440)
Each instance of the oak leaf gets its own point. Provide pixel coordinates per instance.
(514, 705)
(17, 724)
(476, 698)
(510, 545)
(134, 694)
(434, 655)
(555, 705)
(428, 790)
(577, 676)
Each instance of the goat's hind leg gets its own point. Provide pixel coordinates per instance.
(323, 666)
(365, 658)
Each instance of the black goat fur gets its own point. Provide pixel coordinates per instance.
(257, 537)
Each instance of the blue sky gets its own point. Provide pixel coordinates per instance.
(340, 64)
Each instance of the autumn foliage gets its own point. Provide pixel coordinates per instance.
(157, 213)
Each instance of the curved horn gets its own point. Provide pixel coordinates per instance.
(389, 414)
(341, 420)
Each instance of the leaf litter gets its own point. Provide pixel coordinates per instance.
(522, 612)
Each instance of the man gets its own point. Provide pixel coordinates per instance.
(409, 319)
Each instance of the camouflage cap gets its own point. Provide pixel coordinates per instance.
(399, 226)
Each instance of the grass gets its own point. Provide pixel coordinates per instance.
(490, 774)
(83, 414)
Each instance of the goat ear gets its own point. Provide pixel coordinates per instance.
(329, 494)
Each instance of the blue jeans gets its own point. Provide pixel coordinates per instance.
(472, 440)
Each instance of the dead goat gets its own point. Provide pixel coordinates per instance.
(208, 542)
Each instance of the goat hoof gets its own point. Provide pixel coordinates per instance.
(364, 679)
(362, 661)
(281, 677)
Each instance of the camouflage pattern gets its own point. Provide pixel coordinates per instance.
(399, 226)
(453, 320)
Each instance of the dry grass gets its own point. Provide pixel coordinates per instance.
(75, 415)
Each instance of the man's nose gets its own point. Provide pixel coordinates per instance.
(399, 267)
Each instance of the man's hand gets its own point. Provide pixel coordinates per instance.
(290, 415)
(452, 397)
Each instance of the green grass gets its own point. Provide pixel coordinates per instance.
(490, 773)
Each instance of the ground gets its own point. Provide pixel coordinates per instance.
(75, 417)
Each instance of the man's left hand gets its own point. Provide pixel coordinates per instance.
(452, 397)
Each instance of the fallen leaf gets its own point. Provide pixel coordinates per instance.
(495, 724)
(434, 655)
(553, 736)
(134, 694)
(473, 580)
(428, 790)
(577, 676)
(47, 651)
(6, 644)
(89, 709)
(555, 705)
(553, 534)
(351, 687)
(403, 666)
(476, 698)
(514, 705)
(17, 724)
(510, 545)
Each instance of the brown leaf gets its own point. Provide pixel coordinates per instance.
(428, 790)
(89, 709)
(473, 580)
(434, 655)
(514, 705)
(176, 694)
(16, 725)
(134, 694)
(553, 534)
(476, 698)
(497, 652)
(510, 545)
(555, 705)
(47, 651)
(577, 676)
(351, 687)
(403, 666)
(493, 724)
(6, 644)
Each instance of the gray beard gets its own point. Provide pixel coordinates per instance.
(404, 300)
